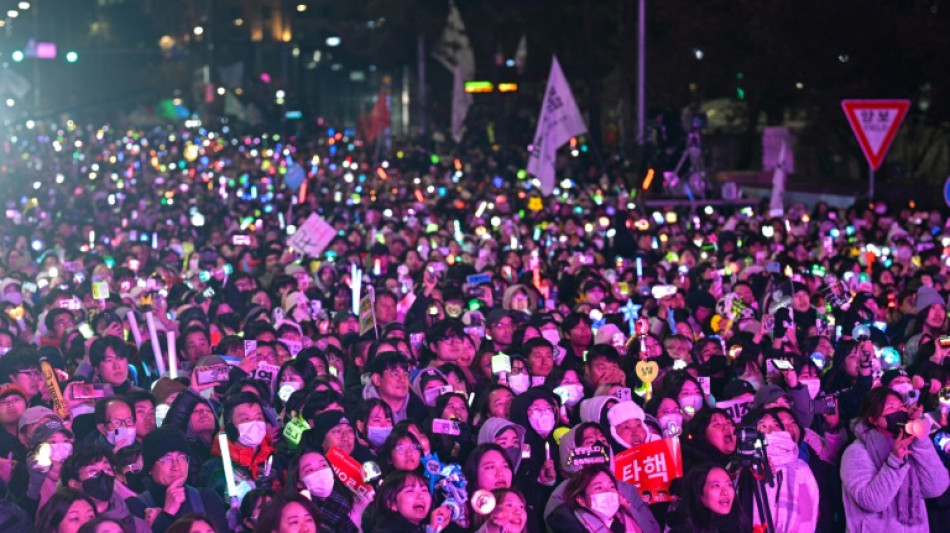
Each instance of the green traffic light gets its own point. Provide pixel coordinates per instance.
(72, 57)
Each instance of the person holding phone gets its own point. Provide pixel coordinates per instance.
(888, 470)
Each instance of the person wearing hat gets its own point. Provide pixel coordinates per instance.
(627, 426)
(13, 402)
(50, 443)
(168, 497)
(334, 429)
(930, 312)
(898, 380)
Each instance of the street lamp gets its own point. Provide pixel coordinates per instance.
(333, 40)
(24, 6)
(199, 30)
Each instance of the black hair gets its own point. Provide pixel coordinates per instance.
(54, 510)
(97, 350)
(82, 456)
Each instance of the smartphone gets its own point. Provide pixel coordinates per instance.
(213, 374)
(441, 426)
(782, 364)
(241, 240)
(624, 394)
(249, 346)
(944, 341)
(86, 391)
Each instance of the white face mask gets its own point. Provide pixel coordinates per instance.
(605, 504)
(59, 451)
(575, 393)
(122, 435)
(671, 425)
(519, 382)
(813, 385)
(692, 401)
(251, 434)
(542, 423)
(320, 483)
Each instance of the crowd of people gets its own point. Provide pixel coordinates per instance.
(458, 353)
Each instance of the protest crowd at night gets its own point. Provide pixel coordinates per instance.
(223, 325)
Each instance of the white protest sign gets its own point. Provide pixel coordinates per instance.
(736, 407)
(312, 237)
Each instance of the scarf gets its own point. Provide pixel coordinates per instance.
(879, 448)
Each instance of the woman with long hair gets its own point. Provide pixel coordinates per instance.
(887, 471)
(708, 504)
(64, 512)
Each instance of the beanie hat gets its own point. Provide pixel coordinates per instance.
(624, 411)
(328, 420)
(159, 442)
(736, 388)
(767, 394)
(892, 374)
(927, 296)
(164, 388)
(8, 388)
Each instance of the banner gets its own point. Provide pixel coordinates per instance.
(559, 120)
(454, 49)
(378, 119)
(367, 313)
(349, 471)
(736, 407)
(777, 202)
(651, 467)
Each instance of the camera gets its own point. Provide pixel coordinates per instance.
(749, 441)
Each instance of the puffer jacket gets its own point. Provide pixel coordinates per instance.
(879, 489)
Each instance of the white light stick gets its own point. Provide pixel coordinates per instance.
(156, 347)
(228, 467)
(172, 354)
(547, 451)
(356, 278)
(639, 269)
(134, 326)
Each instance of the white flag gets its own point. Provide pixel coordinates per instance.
(777, 203)
(521, 54)
(454, 48)
(558, 122)
(461, 101)
(233, 107)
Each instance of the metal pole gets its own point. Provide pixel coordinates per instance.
(641, 72)
(871, 185)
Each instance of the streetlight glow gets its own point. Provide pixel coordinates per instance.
(199, 30)
(333, 41)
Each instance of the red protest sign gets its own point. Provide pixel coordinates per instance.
(651, 467)
(875, 124)
(349, 471)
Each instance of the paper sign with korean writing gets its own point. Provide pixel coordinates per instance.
(651, 467)
(312, 237)
(737, 407)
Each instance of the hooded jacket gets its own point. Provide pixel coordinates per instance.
(592, 409)
(493, 427)
(883, 494)
(794, 495)
(179, 416)
(531, 467)
(119, 511)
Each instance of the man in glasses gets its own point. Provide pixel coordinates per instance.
(90, 469)
(168, 498)
(115, 420)
(21, 367)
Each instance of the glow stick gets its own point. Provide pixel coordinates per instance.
(639, 269)
(356, 278)
(134, 326)
(228, 467)
(172, 354)
(156, 347)
(547, 451)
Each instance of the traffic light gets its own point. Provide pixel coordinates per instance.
(72, 56)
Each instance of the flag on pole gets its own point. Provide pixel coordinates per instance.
(234, 108)
(777, 203)
(454, 48)
(461, 101)
(521, 54)
(374, 124)
(454, 51)
(559, 120)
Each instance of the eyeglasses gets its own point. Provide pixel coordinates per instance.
(397, 373)
(452, 341)
(342, 431)
(118, 422)
(35, 374)
(540, 411)
(168, 460)
(403, 449)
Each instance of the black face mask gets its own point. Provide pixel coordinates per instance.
(896, 422)
(100, 487)
(715, 365)
(514, 454)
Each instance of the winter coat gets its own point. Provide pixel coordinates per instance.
(641, 511)
(581, 520)
(493, 426)
(203, 501)
(881, 493)
(794, 495)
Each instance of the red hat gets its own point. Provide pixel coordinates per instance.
(8, 388)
